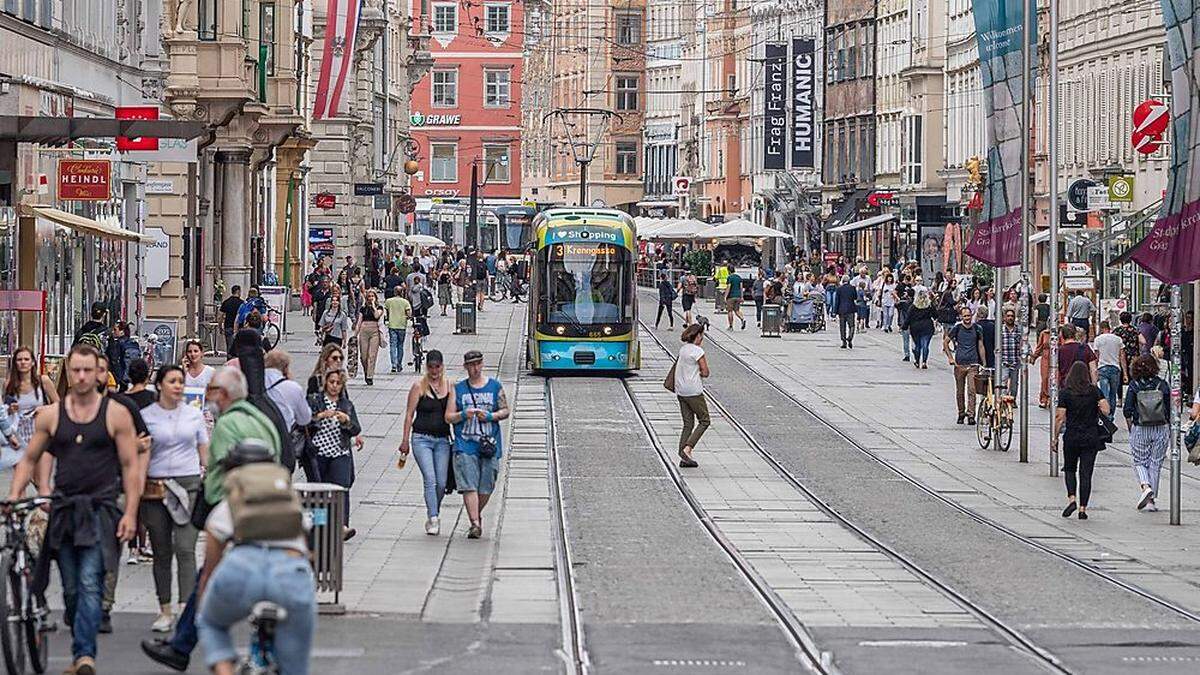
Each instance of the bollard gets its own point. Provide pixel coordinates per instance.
(325, 504)
(464, 318)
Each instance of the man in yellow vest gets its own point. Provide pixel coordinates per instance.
(721, 277)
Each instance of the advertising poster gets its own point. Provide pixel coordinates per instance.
(276, 297)
(165, 334)
(320, 240)
(804, 135)
(775, 110)
(997, 238)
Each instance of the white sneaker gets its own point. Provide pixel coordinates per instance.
(1147, 497)
(1152, 507)
(163, 623)
(433, 526)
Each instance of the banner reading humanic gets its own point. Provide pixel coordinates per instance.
(1171, 252)
(997, 238)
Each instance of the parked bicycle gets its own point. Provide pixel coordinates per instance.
(272, 324)
(419, 330)
(260, 658)
(27, 623)
(994, 413)
(507, 286)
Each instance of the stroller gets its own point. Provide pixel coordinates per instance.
(807, 314)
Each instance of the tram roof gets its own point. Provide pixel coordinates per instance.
(579, 216)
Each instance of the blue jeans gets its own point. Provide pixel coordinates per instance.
(396, 347)
(830, 296)
(433, 458)
(185, 637)
(905, 339)
(339, 471)
(82, 572)
(921, 348)
(249, 574)
(1110, 386)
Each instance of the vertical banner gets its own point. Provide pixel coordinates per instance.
(997, 238)
(1171, 252)
(775, 109)
(804, 72)
(337, 55)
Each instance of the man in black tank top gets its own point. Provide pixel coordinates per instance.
(93, 444)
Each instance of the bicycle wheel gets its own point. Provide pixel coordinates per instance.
(983, 423)
(1006, 428)
(37, 638)
(12, 642)
(498, 293)
(271, 333)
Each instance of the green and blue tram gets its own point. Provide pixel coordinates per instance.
(582, 293)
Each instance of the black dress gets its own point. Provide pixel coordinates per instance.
(1082, 429)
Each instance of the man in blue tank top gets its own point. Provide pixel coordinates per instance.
(93, 444)
(475, 410)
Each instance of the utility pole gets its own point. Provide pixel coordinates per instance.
(1052, 131)
(583, 144)
(473, 212)
(583, 177)
(1023, 310)
(1176, 401)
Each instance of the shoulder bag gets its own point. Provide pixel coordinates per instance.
(487, 444)
(669, 380)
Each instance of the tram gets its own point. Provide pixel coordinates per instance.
(582, 295)
(506, 228)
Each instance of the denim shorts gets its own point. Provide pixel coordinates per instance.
(473, 473)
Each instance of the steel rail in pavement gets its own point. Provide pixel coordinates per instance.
(574, 651)
(970, 513)
(1010, 634)
(810, 654)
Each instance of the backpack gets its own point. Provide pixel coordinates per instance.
(1151, 409)
(691, 285)
(249, 353)
(426, 299)
(132, 350)
(262, 503)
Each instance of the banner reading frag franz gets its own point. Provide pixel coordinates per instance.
(997, 238)
(1171, 252)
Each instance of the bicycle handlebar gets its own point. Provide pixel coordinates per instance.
(27, 504)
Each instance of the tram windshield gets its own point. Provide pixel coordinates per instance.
(586, 284)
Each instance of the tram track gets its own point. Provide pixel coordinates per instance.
(1008, 632)
(574, 650)
(970, 513)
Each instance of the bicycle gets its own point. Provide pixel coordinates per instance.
(994, 413)
(271, 323)
(260, 659)
(507, 286)
(420, 330)
(26, 618)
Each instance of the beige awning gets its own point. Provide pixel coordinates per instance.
(89, 226)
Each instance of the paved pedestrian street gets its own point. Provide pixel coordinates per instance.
(863, 531)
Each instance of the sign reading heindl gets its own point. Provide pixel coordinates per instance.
(775, 115)
(803, 131)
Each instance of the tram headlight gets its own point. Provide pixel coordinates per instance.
(608, 330)
(560, 330)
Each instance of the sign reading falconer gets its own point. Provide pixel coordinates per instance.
(84, 179)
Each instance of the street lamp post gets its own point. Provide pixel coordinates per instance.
(1052, 131)
(1023, 310)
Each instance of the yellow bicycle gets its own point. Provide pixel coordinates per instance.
(994, 413)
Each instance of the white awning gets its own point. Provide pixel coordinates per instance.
(741, 228)
(89, 226)
(385, 234)
(864, 223)
(680, 229)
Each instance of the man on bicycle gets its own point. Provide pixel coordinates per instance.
(256, 554)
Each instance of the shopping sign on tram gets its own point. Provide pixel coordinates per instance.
(84, 179)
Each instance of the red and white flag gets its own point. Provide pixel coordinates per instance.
(341, 27)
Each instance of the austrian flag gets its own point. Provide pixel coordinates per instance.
(337, 56)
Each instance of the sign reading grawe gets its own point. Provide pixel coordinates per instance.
(84, 179)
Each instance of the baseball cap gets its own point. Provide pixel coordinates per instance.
(434, 358)
(472, 356)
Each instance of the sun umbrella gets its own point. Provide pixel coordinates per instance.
(428, 241)
(741, 228)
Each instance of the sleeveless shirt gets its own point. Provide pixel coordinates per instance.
(86, 453)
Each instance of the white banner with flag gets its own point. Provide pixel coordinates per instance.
(337, 56)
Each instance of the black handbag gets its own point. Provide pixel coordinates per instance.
(1105, 430)
(487, 444)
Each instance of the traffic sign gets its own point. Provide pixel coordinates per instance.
(1151, 118)
(1120, 189)
(1077, 194)
(681, 185)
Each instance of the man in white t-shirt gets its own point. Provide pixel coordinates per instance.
(1111, 365)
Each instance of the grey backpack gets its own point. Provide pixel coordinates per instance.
(1151, 408)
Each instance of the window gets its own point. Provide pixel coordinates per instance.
(913, 149)
(627, 93)
(497, 168)
(496, 18)
(629, 29)
(445, 18)
(266, 35)
(206, 24)
(627, 152)
(443, 162)
(445, 88)
(496, 86)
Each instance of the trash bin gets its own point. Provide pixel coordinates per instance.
(464, 318)
(325, 504)
(772, 321)
(719, 299)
